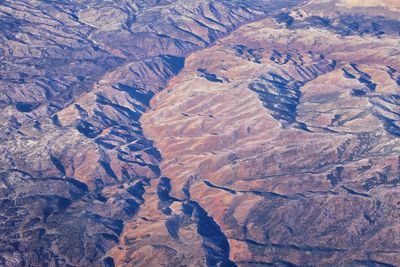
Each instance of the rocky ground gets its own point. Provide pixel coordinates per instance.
(201, 133)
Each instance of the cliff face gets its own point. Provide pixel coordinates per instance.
(218, 133)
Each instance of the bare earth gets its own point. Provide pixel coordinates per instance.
(200, 133)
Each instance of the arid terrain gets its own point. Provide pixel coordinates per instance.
(200, 133)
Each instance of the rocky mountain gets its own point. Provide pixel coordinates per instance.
(200, 133)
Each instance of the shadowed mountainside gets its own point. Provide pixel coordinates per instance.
(76, 77)
(160, 133)
(290, 140)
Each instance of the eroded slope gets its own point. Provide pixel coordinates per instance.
(286, 133)
(75, 166)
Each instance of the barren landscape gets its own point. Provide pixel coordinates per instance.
(200, 133)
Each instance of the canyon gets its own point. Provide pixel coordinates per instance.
(201, 133)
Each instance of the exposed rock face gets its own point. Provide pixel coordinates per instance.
(160, 133)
